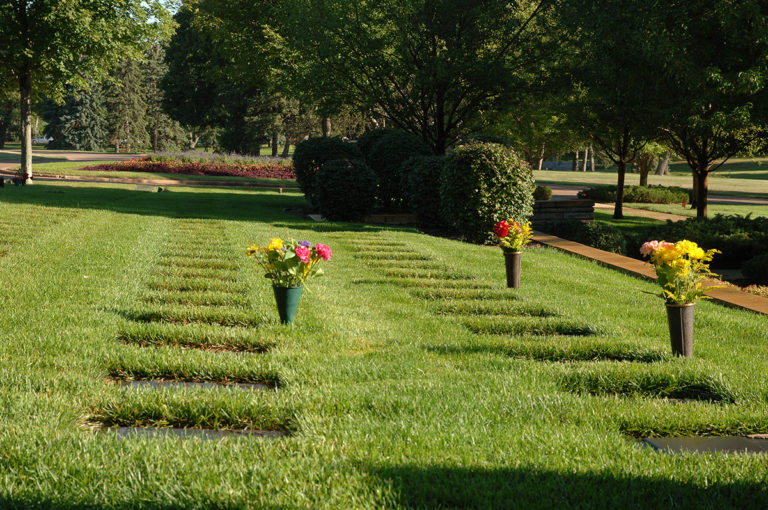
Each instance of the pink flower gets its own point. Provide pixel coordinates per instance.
(303, 253)
(648, 248)
(323, 251)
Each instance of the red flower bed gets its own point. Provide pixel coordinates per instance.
(261, 171)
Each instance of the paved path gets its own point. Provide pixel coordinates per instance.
(731, 296)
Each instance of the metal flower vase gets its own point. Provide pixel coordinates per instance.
(512, 261)
(287, 299)
(680, 318)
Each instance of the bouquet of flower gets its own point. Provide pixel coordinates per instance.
(681, 268)
(289, 263)
(512, 236)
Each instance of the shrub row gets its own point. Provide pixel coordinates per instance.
(597, 235)
(276, 170)
(638, 194)
(475, 186)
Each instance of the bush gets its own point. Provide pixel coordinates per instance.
(387, 157)
(423, 188)
(597, 235)
(638, 194)
(755, 270)
(345, 189)
(483, 183)
(542, 193)
(367, 140)
(739, 238)
(310, 155)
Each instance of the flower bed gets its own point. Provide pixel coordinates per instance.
(266, 169)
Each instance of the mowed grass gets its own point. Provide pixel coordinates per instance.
(427, 383)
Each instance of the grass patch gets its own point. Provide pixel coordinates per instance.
(174, 365)
(187, 408)
(528, 326)
(193, 263)
(201, 285)
(188, 315)
(193, 274)
(452, 294)
(655, 382)
(394, 255)
(443, 274)
(196, 336)
(196, 298)
(468, 307)
(432, 283)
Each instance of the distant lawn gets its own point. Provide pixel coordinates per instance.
(748, 177)
(629, 224)
(712, 209)
(73, 168)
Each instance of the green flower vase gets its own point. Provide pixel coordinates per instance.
(287, 299)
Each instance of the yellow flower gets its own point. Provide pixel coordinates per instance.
(690, 248)
(253, 249)
(275, 244)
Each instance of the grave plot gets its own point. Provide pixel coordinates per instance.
(664, 381)
(195, 303)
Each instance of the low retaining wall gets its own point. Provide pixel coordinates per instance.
(551, 211)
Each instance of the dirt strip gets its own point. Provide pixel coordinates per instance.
(729, 295)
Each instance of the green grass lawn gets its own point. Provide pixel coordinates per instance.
(74, 168)
(734, 178)
(412, 377)
(712, 209)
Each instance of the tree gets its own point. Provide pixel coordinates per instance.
(712, 58)
(617, 113)
(126, 100)
(80, 123)
(191, 85)
(428, 65)
(47, 44)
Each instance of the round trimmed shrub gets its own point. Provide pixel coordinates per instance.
(423, 175)
(387, 158)
(345, 189)
(482, 184)
(309, 156)
(367, 140)
(755, 270)
(542, 193)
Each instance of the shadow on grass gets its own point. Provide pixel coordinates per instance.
(28, 502)
(453, 487)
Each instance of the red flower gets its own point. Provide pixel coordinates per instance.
(501, 229)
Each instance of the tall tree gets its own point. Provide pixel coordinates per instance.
(712, 56)
(617, 113)
(79, 123)
(126, 100)
(47, 44)
(428, 65)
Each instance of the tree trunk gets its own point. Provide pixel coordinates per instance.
(695, 194)
(541, 157)
(591, 158)
(25, 88)
(575, 163)
(193, 140)
(287, 148)
(702, 178)
(155, 138)
(584, 163)
(326, 125)
(662, 168)
(618, 210)
(275, 148)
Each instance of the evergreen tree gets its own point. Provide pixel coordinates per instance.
(127, 104)
(80, 123)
